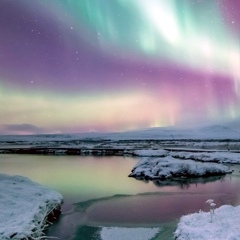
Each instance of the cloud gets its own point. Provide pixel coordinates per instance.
(24, 128)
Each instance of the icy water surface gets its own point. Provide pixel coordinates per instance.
(101, 202)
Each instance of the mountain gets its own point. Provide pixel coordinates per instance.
(213, 132)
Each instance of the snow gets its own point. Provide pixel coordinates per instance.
(218, 129)
(118, 233)
(24, 207)
(168, 167)
(219, 157)
(32, 202)
(224, 225)
(209, 138)
(214, 132)
(150, 153)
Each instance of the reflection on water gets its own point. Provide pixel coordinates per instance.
(98, 193)
(141, 209)
(183, 183)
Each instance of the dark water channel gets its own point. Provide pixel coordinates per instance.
(98, 194)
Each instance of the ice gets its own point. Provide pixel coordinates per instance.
(24, 207)
(118, 233)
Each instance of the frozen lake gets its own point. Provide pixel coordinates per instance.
(98, 193)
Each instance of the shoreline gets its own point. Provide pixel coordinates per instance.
(99, 151)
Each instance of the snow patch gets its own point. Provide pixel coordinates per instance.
(151, 153)
(219, 157)
(25, 206)
(199, 226)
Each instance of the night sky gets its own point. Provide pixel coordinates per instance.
(69, 66)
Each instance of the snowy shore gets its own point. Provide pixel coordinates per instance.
(202, 156)
(223, 225)
(218, 157)
(25, 207)
(211, 138)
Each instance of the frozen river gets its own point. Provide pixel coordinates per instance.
(98, 193)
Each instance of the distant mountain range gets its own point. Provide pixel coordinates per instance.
(210, 132)
(165, 133)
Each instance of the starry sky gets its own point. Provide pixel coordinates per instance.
(69, 66)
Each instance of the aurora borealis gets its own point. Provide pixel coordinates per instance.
(70, 66)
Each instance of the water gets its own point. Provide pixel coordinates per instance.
(97, 193)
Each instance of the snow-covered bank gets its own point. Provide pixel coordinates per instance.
(168, 168)
(25, 206)
(192, 154)
(219, 157)
(199, 226)
(150, 153)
